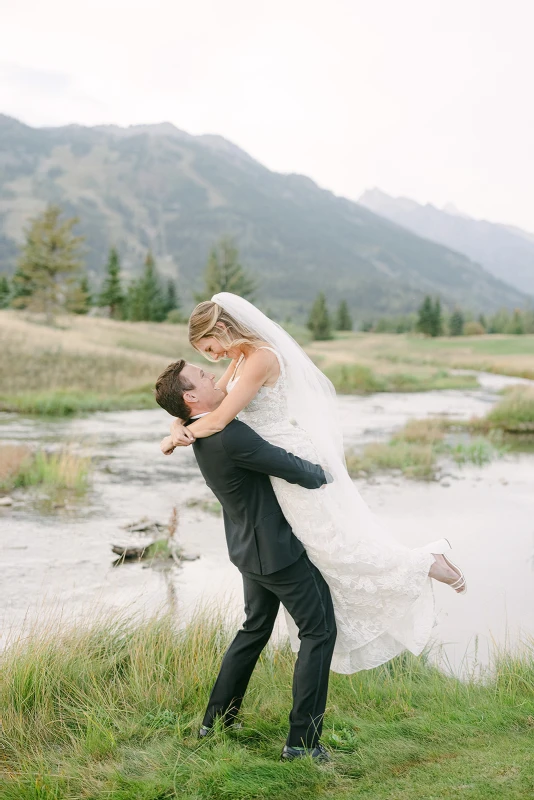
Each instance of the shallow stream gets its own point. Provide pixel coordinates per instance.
(61, 562)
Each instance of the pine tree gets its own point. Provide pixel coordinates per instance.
(516, 324)
(319, 319)
(112, 295)
(224, 273)
(49, 264)
(456, 323)
(424, 321)
(436, 320)
(79, 299)
(171, 300)
(483, 321)
(343, 317)
(5, 291)
(146, 300)
(22, 288)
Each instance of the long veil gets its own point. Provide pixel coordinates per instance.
(382, 595)
(313, 406)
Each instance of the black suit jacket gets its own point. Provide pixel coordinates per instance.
(236, 464)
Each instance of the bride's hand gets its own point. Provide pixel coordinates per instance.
(181, 436)
(166, 446)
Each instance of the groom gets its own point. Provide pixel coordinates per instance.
(236, 464)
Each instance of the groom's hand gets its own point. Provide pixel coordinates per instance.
(166, 446)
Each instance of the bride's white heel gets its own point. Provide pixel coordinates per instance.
(459, 586)
(439, 548)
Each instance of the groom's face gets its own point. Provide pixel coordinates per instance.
(204, 396)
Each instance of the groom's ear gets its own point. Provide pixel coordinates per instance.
(190, 397)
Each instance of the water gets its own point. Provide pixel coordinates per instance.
(61, 563)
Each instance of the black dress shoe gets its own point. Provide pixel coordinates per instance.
(319, 753)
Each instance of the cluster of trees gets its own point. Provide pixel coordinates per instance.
(145, 299)
(320, 322)
(50, 277)
(433, 321)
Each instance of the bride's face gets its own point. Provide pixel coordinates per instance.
(214, 350)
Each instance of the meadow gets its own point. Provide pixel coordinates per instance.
(111, 711)
(86, 364)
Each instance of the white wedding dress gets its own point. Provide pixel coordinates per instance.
(382, 595)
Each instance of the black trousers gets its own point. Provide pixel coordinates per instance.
(305, 594)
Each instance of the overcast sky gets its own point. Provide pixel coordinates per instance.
(431, 99)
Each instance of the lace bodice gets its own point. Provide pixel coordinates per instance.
(268, 411)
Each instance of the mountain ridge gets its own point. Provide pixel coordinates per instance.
(504, 250)
(176, 193)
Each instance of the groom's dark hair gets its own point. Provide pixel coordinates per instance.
(170, 388)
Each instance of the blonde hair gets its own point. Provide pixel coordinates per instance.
(204, 320)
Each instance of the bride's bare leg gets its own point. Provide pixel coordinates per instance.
(442, 571)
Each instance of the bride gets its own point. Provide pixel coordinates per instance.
(381, 591)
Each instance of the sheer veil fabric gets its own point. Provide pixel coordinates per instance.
(381, 591)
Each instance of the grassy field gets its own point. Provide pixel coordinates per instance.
(501, 354)
(111, 711)
(88, 364)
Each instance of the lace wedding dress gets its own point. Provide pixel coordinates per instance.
(382, 595)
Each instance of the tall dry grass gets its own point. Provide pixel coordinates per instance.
(54, 472)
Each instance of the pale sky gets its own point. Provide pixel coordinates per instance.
(431, 99)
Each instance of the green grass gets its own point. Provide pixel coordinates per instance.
(515, 412)
(110, 712)
(56, 474)
(416, 449)
(361, 379)
(68, 403)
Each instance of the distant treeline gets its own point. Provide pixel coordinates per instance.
(432, 320)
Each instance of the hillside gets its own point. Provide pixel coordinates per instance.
(505, 251)
(158, 187)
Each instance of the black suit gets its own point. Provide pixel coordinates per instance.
(236, 464)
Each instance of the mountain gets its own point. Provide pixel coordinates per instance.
(505, 251)
(156, 186)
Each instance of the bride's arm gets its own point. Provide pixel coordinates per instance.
(222, 383)
(258, 368)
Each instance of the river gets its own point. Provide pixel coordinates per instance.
(60, 563)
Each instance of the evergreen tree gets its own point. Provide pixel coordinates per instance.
(49, 264)
(436, 320)
(483, 322)
(112, 295)
(343, 317)
(146, 300)
(171, 300)
(224, 273)
(516, 324)
(456, 323)
(319, 320)
(424, 321)
(5, 291)
(79, 299)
